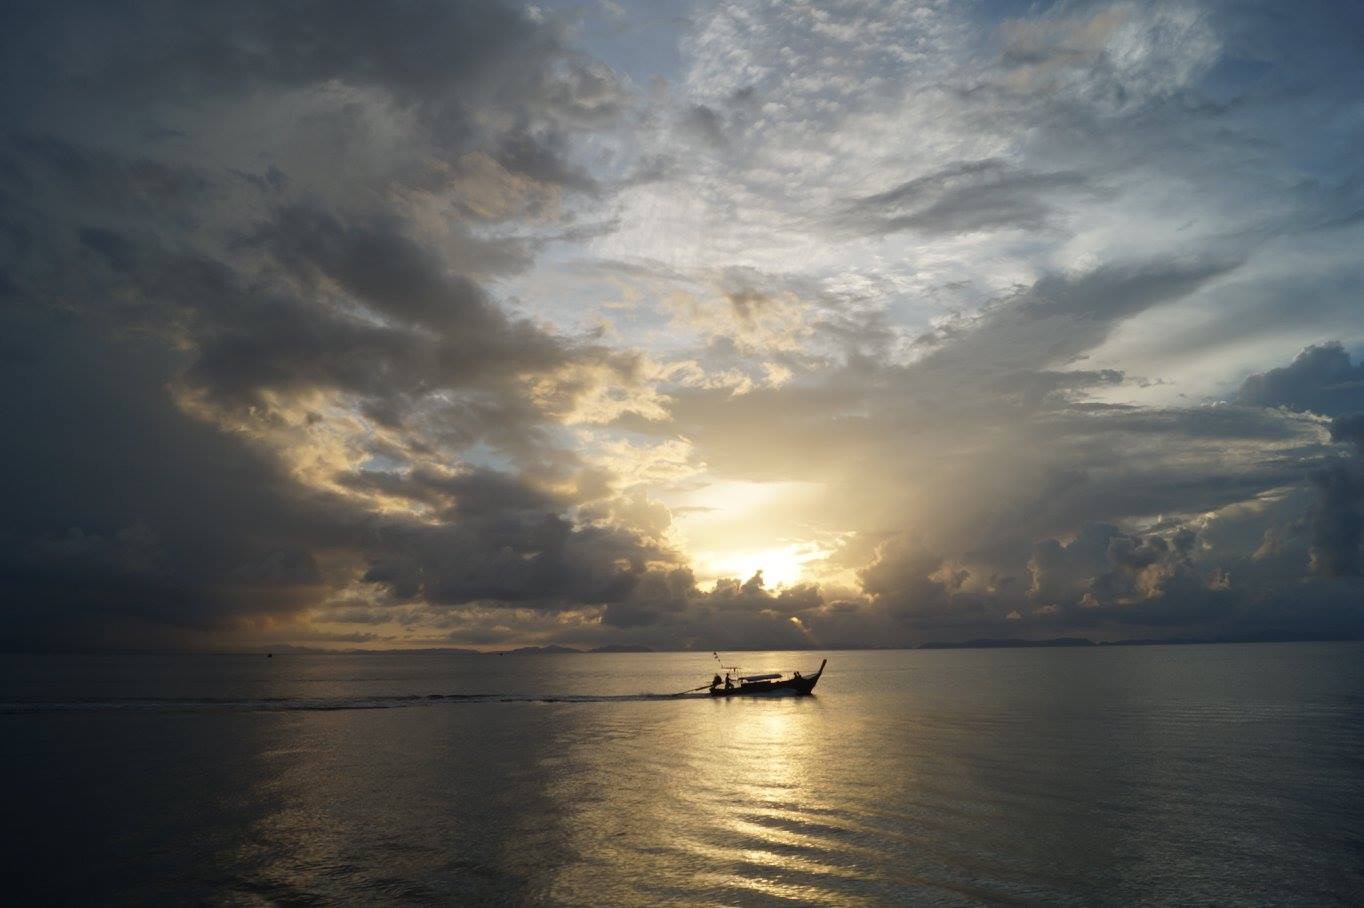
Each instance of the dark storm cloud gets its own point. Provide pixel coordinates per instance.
(732, 613)
(125, 519)
(1172, 579)
(178, 526)
(1349, 429)
(1104, 567)
(439, 330)
(1321, 379)
(430, 55)
(1338, 520)
(498, 541)
(903, 579)
(55, 188)
(373, 256)
(508, 558)
(171, 319)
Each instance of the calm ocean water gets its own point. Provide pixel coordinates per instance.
(1165, 775)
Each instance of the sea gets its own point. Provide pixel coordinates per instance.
(1154, 775)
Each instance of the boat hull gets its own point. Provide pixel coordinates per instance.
(798, 687)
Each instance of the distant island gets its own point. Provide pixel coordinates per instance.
(550, 650)
(554, 649)
(1006, 643)
(1016, 642)
(976, 643)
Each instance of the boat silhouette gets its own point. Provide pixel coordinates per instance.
(769, 684)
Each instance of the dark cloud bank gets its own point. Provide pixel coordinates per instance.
(167, 314)
(202, 326)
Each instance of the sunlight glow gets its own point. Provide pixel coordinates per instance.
(781, 566)
(735, 529)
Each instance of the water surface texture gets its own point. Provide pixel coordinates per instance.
(1191, 775)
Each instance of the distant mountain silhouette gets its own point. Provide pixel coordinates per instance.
(554, 649)
(1006, 643)
(551, 650)
(290, 649)
(1017, 643)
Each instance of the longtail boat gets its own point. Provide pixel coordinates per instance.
(774, 683)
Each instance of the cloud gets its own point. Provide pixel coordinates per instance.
(1322, 379)
(1106, 568)
(128, 520)
(1110, 53)
(969, 197)
(423, 325)
(733, 613)
(705, 124)
(1338, 521)
(245, 399)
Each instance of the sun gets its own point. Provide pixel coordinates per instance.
(734, 528)
(781, 566)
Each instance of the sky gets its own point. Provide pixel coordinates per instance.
(686, 325)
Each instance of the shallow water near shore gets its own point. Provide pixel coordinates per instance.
(1163, 774)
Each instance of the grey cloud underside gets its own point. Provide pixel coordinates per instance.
(441, 60)
(1322, 379)
(125, 517)
(970, 196)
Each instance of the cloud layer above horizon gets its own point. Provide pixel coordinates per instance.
(718, 325)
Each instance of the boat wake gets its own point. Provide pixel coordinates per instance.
(311, 704)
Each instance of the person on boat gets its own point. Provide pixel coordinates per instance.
(715, 682)
(729, 685)
(797, 676)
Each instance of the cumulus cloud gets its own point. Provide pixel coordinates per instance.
(1322, 379)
